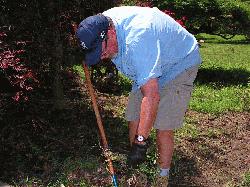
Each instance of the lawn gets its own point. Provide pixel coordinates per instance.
(223, 82)
(61, 148)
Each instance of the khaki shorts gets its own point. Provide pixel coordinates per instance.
(174, 100)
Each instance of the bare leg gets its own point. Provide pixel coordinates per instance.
(133, 126)
(165, 144)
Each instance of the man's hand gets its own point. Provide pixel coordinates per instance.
(137, 154)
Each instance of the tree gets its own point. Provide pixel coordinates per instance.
(45, 27)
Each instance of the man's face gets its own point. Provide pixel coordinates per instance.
(110, 46)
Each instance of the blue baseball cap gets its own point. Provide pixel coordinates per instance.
(91, 33)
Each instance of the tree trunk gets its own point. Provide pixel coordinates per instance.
(57, 85)
(57, 58)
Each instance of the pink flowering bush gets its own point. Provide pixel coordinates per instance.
(13, 68)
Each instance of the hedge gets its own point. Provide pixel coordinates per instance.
(221, 17)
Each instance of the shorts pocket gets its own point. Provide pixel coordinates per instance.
(181, 99)
(173, 105)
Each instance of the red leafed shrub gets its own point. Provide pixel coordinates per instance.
(181, 20)
(13, 68)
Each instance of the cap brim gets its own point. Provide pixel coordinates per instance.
(94, 56)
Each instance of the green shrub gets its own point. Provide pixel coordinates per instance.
(221, 17)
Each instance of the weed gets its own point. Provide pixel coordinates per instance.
(187, 131)
(79, 70)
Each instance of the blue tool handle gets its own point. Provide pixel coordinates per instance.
(114, 181)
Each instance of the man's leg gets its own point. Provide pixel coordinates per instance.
(175, 97)
(165, 145)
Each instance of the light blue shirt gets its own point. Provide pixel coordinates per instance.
(151, 44)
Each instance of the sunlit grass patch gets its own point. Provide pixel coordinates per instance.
(79, 70)
(188, 130)
(213, 100)
(223, 81)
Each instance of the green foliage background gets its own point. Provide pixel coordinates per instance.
(221, 17)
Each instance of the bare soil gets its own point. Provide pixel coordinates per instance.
(220, 156)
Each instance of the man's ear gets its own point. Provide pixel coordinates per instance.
(73, 27)
(72, 39)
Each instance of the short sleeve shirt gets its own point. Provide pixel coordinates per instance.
(151, 44)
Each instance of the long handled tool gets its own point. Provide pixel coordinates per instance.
(100, 126)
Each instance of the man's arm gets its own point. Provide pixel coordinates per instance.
(149, 106)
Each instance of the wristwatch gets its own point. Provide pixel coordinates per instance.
(140, 138)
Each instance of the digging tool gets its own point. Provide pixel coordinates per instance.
(100, 126)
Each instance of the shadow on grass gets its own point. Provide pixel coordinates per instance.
(218, 77)
(183, 169)
(233, 42)
(221, 77)
(219, 40)
(37, 141)
(41, 143)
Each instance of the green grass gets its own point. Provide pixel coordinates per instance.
(189, 130)
(79, 70)
(70, 174)
(223, 82)
(246, 180)
(211, 100)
